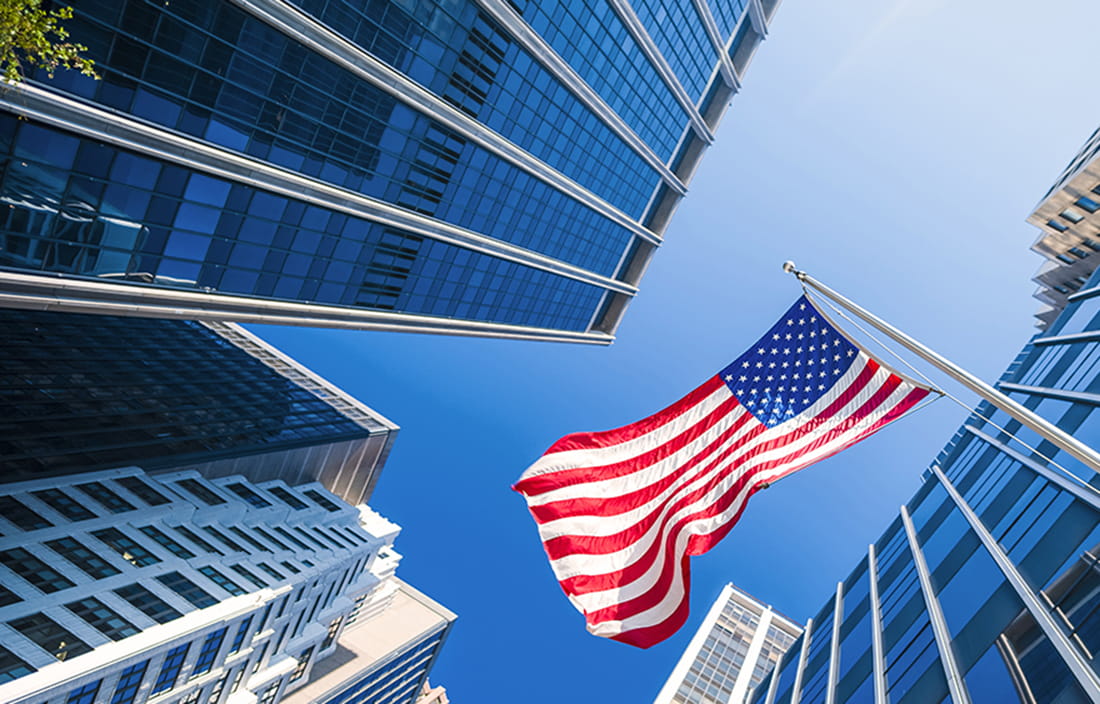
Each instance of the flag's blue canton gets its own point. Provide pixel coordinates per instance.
(791, 367)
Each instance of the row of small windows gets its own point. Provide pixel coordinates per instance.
(25, 518)
(1088, 204)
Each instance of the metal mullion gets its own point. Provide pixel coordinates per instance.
(1071, 656)
(834, 645)
(796, 687)
(637, 31)
(959, 693)
(878, 656)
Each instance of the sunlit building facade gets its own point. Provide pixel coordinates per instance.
(121, 587)
(986, 587)
(481, 167)
(736, 646)
(1068, 218)
(89, 392)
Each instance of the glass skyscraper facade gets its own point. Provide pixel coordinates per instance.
(478, 167)
(87, 392)
(986, 587)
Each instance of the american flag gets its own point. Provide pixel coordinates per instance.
(620, 512)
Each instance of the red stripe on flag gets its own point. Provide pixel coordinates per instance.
(605, 438)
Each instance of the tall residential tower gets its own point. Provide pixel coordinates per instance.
(736, 646)
(484, 167)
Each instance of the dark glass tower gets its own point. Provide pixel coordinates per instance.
(477, 167)
(986, 588)
(89, 392)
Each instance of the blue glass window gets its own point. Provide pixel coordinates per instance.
(208, 652)
(129, 682)
(170, 670)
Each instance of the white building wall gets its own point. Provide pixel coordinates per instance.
(737, 644)
(289, 613)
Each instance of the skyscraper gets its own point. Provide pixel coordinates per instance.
(84, 392)
(985, 587)
(121, 587)
(476, 167)
(1069, 223)
(736, 646)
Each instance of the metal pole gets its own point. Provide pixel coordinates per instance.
(1048, 431)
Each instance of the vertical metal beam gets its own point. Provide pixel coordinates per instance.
(834, 646)
(959, 694)
(796, 688)
(741, 684)
(1087, 495)
(725, 66)
(541, 50)
(878, 655)
(1071, 655)
(773, 684)
(645, 42)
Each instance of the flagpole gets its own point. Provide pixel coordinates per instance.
(1047, 430)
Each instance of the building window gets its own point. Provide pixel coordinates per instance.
(262, 623)
(102, 618)
(249, 539)
(324, 538)
(8, 597)
(51, 637)
(90, 563)
(286, 534)
(242, 634)
(270, 538)
(21, 516)
(162, 539)
(259, 658)
(85, 694)
(1054, 224)
(302, 532)
(321, 500)
(187, 589)
(268, 697)
(248, 495)
(11, 667)
(221, 580)
(1088, 204)
(219, 687)
(287, 498)
(148, 603)
(194, 538)
(223, 538)
(290, 566)
(143, 491)
(355, 536)
(209, 651)
(191, 698)
(170, 670)
(240, 569)
(333, 629)
(63, 504)
(1071, 215)
(33, 570)
(303, 663)
(130, 551)
(105, 497)
(270, 570)
(201, 492)
(237, 680)
(129, 682)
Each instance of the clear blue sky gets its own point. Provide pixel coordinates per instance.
(892, 149)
